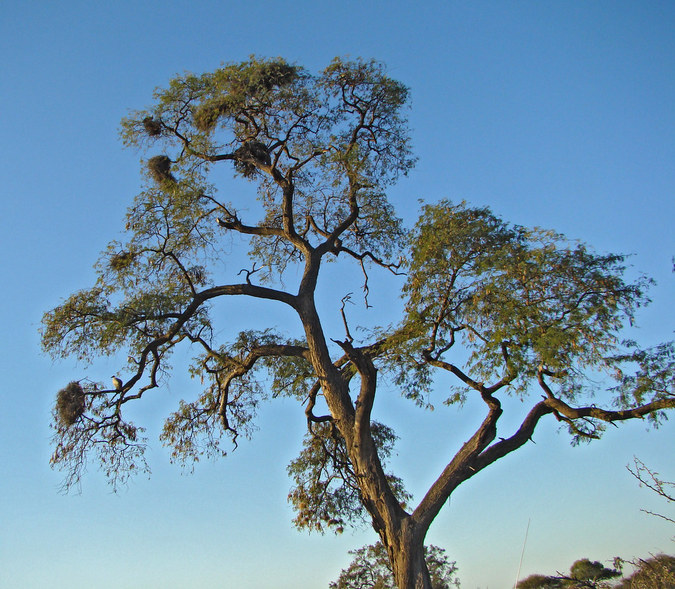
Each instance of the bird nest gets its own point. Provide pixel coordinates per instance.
(120, 261)
(152, 127)
(250, 154)
(159, 167)
(254, 150)
(70, 403)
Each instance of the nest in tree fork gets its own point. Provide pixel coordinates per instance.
(159, 167)
(254, 150)
(70, 403)
(250, 153)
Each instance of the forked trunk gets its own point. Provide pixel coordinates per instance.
(403, 539)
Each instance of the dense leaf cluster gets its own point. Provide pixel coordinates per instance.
(583, 573)
(523, 302)
(326, 492)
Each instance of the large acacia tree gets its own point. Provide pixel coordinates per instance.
(529, 312)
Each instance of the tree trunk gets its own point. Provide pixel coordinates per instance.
(406, 554)
(400, 534)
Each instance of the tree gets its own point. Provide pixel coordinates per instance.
(583, 573)
(539, 582)
(657, 572)
(371, 569)
(532, 309)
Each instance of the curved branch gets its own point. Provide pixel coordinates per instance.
(309, 409)
(153, 347)
(609, 416)
(247, 364)
(460, 468)
(234, 224)
(251, 290)
(466, 379)
(507, 445)
(567, 412)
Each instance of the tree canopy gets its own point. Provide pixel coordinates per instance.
(656, 572)
(583, 573)
(533, 311)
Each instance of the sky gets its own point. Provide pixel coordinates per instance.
(554, 114)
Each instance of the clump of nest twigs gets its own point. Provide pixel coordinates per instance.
(250, 154)
(152, 126)
(207, 115)
(159, 167)
(120, 261)
(70, 403)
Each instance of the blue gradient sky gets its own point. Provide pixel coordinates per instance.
(556, 114)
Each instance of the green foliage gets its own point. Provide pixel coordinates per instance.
(341, 135)
(240, 88)
(657, 572)
(523, 302)
(370, 569)
(234, 377)
(540, 582)
(87, 422)
(326, 494)
(653, 379)
(583, 573)
(586, 571)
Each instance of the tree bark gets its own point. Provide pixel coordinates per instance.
(406, 554)
(398, 530)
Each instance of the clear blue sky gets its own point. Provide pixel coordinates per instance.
(558, 114)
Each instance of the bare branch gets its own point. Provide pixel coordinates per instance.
(651, 480)
(345, 300)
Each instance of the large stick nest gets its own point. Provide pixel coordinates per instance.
(152, 126)
(70, 403)
(159, 167)
(250, 154)
(120, 261)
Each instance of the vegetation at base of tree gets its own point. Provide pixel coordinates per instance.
(371, 569)
(540, 317)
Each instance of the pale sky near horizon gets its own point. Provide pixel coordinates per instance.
(556, 114)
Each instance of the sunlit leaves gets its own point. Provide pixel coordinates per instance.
(326, 491)
(583, 573)
(371, 103)
(100, 435)
(334, 139)
(194, 430)
(236, 378)
(520, 300)
(371, 569)
(656, 572)
(83, 326)
(644, 375)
